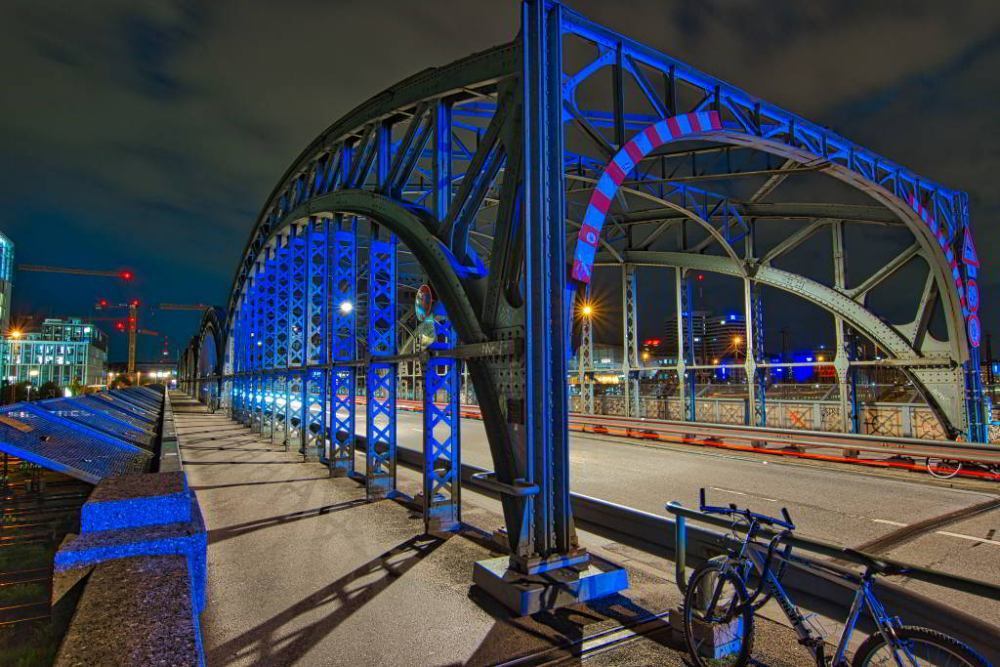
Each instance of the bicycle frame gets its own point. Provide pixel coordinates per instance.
(754, 555)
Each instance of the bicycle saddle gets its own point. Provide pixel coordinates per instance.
(876, 565)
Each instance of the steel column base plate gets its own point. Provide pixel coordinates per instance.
(528, 594)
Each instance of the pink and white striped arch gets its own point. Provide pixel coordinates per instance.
(641, 145)
(685, 125)
(968, 291)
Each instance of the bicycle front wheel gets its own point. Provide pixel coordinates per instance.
(718, 618)
(917, 646)
(943, 468)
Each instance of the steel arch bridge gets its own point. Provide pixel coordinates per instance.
(507, 181)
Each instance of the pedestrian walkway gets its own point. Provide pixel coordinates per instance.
(302, 570)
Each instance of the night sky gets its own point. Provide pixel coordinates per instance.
(147, 134)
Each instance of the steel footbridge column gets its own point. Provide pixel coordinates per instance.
(380, 461)
(343, 344)
(442, 474)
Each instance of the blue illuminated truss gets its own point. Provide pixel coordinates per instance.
(315, 339)
(380, 469)
(442, 417)
(343, 343)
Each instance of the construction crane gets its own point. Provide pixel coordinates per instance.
(131, 326)
(123, 274)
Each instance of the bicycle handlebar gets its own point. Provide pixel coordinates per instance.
(733, 510)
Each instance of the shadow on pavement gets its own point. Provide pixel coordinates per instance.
(221, 534)
(272, 643)
(562, 635)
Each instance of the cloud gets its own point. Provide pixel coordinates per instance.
(150, 133)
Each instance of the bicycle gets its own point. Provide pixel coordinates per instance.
(948, 468)
(724, 593)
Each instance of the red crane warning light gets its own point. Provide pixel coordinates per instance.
(126, 275)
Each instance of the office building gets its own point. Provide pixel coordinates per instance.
(62, 351)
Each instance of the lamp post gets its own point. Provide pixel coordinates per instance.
(14, 349)
(33, 373)
(585, 357)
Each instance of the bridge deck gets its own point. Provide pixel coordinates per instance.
(302, 569)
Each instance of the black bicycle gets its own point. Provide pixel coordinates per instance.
(725, 592)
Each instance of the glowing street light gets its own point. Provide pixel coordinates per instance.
(346, 307)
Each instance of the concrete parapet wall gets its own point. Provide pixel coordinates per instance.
(129, 525)
(135, 611)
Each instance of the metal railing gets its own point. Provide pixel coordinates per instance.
(913, 571)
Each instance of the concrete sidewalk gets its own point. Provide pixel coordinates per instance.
(301, 570)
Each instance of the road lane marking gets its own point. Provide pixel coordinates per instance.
(888, 522)
(968, 537)
(740, 493)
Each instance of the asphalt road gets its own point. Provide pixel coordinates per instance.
(837, 503)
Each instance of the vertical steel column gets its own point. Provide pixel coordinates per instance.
(297, 289)
(442, 160)
(256, 346)
(281, 376)
(753, 350)
(685, 345)
(316, 340)
(246, 312)
(253, 337)
(547, 301)
(343, 345)
(239, 333)
(630, 341)
(267, 356)
(753, 320)
(760, 375)
(850, 421)
(585, 359)
(442, 448)
(380, 465)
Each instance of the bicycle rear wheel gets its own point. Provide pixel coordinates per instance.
(718, 619)
(927, 647)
